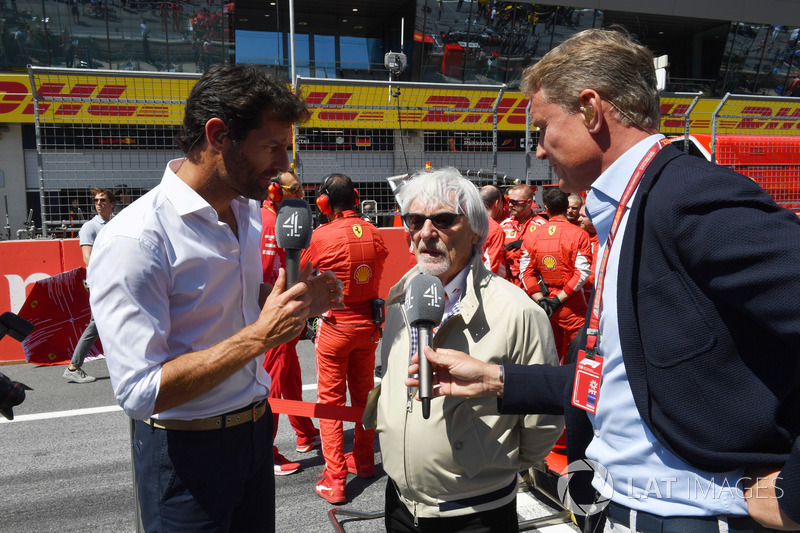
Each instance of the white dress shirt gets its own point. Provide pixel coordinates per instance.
(169, 278)
(646, 476)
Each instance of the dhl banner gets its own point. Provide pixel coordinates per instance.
(413, 108)
(83, 98)
(755, 117)
(94, 99)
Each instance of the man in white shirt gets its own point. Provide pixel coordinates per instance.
(176, 289)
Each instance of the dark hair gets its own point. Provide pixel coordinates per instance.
(102, 190)
(341, 192)
(555, 200)
(239, 95)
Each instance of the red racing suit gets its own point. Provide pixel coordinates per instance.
(514, 231)
(494, 252)
(560, 253)
(588, 287)
(281, 362)
(346, 338)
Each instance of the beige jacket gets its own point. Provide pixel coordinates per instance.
(465, 449)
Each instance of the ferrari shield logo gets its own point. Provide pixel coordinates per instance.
(551, 230)
(358, 230)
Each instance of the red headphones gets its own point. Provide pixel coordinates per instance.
(275, 192)
(323, 202)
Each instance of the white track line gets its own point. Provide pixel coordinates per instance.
(62, 414)
(94, 410)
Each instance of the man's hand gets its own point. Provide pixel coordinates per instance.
(549, 305)
(762, 500)
(283, 314)
(325, 290)
(457, 374)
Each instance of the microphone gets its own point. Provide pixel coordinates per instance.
(12, 393)
(293, 233)
(424, 309)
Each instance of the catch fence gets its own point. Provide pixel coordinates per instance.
(760, 138)
(115, 129)
(106, 129)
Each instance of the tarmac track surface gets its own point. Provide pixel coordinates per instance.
(65, 463)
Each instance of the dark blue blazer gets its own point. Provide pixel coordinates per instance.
(709, 319)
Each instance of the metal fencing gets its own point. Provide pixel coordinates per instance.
(760, 138)
(109, 129)
(373, 130)
(115, 129)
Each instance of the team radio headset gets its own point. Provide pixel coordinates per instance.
(323, 203)
(275, 190)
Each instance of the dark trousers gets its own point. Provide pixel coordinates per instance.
(206, 481)
(398, 519)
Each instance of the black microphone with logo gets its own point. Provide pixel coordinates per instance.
(293, 233)
(424, 309)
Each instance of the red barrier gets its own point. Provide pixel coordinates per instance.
(22, 263)
(316, 410)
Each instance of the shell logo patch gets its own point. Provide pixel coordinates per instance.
(510, 232)
(362, 274)
(549, 262)
(358, 230)
(551, 230)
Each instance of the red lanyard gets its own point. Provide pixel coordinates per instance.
(593, 331)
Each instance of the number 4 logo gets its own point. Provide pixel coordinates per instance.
(293, 225)
(432, 295)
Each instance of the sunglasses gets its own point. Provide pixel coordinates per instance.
(441, 221)
(100, 200)
(293, 189)
(519, 202)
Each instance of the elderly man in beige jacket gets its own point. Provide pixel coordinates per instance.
(458, 468)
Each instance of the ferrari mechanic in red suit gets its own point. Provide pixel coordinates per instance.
(559, 254)
(346, 339)
(520, 206)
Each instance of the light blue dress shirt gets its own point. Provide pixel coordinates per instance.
(644, 475)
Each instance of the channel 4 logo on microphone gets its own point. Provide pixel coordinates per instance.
(293, 225)
(432, 296)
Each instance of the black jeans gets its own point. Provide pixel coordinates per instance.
(206, 481)
(398, 519)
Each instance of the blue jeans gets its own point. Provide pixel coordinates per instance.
(206, 481)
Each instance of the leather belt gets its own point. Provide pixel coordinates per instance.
(249, 414)
(650, 523)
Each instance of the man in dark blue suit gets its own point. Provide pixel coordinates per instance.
(686, 391)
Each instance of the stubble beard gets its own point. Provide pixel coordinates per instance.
(434, 266)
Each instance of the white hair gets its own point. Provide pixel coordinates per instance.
(447, 187)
